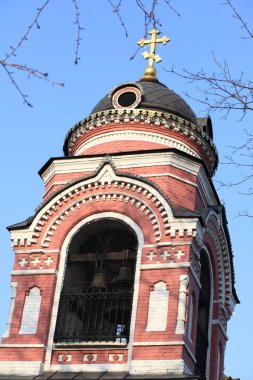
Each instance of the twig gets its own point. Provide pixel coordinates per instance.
(79, 28)
(24, 97)
(29, 29)
(241, 20)
(116, 10)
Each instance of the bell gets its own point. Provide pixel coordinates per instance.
(98, 280)
(125, 274)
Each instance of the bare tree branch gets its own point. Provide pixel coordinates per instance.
(150, 19)
(24, 38)
(79, 29)
(243, 23)
(116, 10)
(24, 96)
(221, 91)
(8, 66)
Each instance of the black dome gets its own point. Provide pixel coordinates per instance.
(154, 96)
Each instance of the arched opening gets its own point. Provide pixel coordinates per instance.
(96, 298)
(202, 341)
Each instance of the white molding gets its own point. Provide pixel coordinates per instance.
(90, 164)
(52, 185)
(42, 250)
(27, 272)
(60, 278)
(148, 208)
(22, 345)
(169, 175)
(165, 266)
(205, 249)
(103, 367)
(183, 281)
(155, 343)
(105, 172)
(22, 368)
(167, 243)
(132, 135)
(141, 367)
(14, 286)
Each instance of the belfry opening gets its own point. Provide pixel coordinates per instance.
(96, 298)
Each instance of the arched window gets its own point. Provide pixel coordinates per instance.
(96, 298)
(202, 342)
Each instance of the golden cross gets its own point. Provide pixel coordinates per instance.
(150, 73)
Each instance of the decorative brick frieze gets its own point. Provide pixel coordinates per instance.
(215, 232)
(141, 117)
(34, 261)
(169, 254)
(128, 135)
(146, 198)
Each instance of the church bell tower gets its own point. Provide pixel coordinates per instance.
(125, 271)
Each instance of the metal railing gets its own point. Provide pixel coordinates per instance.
(94, 315)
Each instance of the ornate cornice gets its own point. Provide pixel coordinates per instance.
(159, 119)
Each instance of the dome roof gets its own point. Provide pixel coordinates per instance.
(153, 96)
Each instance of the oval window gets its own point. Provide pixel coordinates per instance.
(127, 97)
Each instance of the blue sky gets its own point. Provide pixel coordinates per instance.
(30, 136)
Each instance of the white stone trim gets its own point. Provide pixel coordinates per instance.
(89, 164)
(158, 307)
(89, 345)
(36, 251)
(14, 286)
(163, 343)
(54, 184)
(130, 161)
(132, 135)
(123, 367)
(205, 249)
(22, 345)
(183, 280)
(27, 272)
(170, 175)
(165, 266)
(60, 278)
(167, 243)
(105, 175)
(141, 367)
(22, 368)
(31, 312)
(151, 212)
(217, 322)
(190, 317)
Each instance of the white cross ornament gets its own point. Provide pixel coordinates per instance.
(179, 254)
(23, 262)
(151, 255)
(35, 261)
(165, 254)
(48, 261)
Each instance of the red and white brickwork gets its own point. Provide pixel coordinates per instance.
(155, 166)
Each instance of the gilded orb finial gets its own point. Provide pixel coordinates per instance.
(150, 71)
